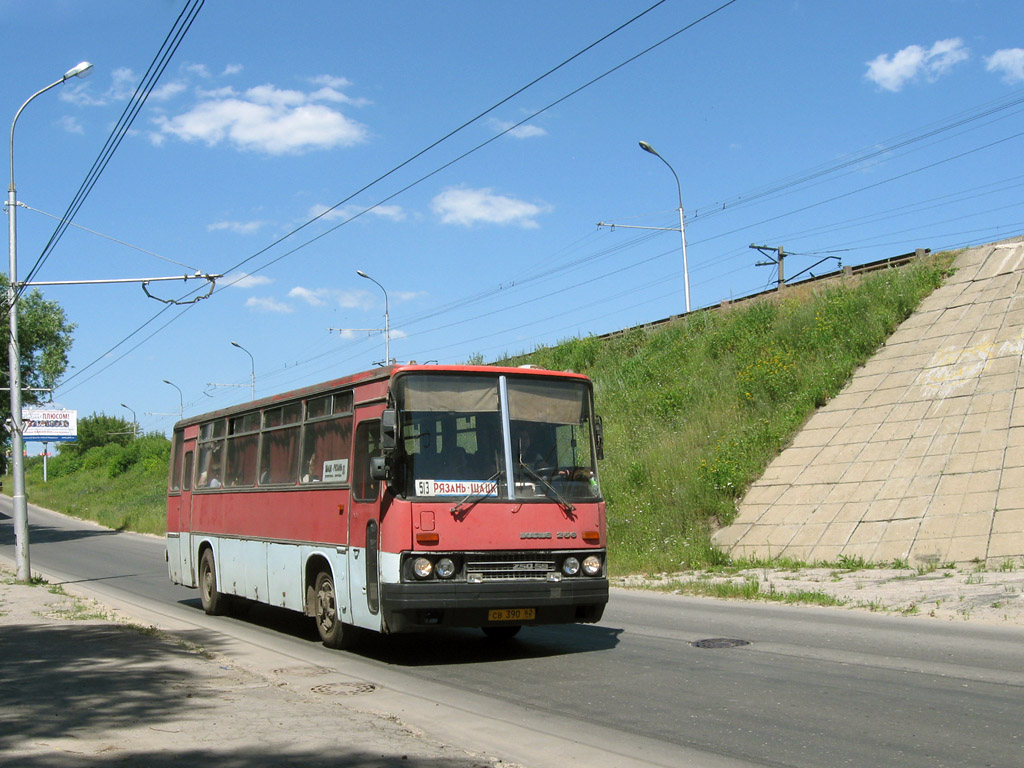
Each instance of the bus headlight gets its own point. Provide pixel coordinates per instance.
(570, 566)
(445, 568)
(592, 565)
(422, 567)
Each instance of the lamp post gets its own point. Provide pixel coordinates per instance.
(387, 322)
(19, 502)
(252, 362)
(135, 422)
(686, 271)
(181, 399)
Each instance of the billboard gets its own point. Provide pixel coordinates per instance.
(49, 425)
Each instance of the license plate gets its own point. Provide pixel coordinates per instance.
(512, 614)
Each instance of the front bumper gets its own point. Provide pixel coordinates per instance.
(413, 606)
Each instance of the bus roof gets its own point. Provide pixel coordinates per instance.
(367, 377)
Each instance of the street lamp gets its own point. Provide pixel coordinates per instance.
(252, 362)
(181, 399)
(19, 502)
(387, 322)
(135, 422)
(686, 271)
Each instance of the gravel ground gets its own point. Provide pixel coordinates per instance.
(993, 595)
(80, 687)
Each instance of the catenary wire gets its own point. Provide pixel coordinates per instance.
(149, 80)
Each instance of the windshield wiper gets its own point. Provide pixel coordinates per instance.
(549, 488)
(458, 507)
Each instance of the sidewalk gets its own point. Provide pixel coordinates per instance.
(79, 688)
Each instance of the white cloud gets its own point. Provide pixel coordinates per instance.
(313, 298)
(123, 86)
(266, 119)
(1009, 62)
(232, 69)
(199, 70)
(320, 297)
(406, 295)
(331, 90)
(525, 131)
(353, 299)
(267, 305)
(392, 212)
(238, 227)
(71, 124)
(459, 205)
(893, 72)
(331, 81)
(168, 91)
(224, 92)
(243, 280)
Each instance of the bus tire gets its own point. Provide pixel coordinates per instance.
(328, 624)
(500, 633)
(215, 603)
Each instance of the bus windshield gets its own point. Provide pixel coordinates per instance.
(495, 438)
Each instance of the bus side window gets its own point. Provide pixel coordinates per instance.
(186, 477)
(364, 488)
(179, 449)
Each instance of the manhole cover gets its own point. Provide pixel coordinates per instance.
(344, 689)
(720, 642)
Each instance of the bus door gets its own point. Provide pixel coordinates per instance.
(180, 507)
(364, 523)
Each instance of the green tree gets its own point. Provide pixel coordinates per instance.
(98, 430)
(45, 337)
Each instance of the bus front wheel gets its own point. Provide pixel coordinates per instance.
(215, 603)
(328, 623)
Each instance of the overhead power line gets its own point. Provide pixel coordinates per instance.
(452, 162)
(149, 80)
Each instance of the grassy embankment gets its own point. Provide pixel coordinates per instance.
(119, 486)
(693, 413)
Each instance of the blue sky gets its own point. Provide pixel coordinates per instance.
(854, 130)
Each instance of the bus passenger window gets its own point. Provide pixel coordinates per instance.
(325, 450)
(186, 478)
(279, 459)
(210, 465)
(179, 450)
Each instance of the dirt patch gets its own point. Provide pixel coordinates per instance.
(953, 594)
(79, 688)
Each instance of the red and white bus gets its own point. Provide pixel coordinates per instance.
(398, 499)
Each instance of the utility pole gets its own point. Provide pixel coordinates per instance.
(777, 260)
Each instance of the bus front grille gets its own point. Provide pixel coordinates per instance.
(500, 567)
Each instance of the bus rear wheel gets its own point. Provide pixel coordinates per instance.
(332, 630)
(215, 603)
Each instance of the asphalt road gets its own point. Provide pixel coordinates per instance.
(812, 686)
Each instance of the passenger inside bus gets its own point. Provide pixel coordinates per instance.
(522, 446)
(312, 474)
(211, 477)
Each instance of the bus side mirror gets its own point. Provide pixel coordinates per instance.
(380, 469)
(599, 436)
(389, 430)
